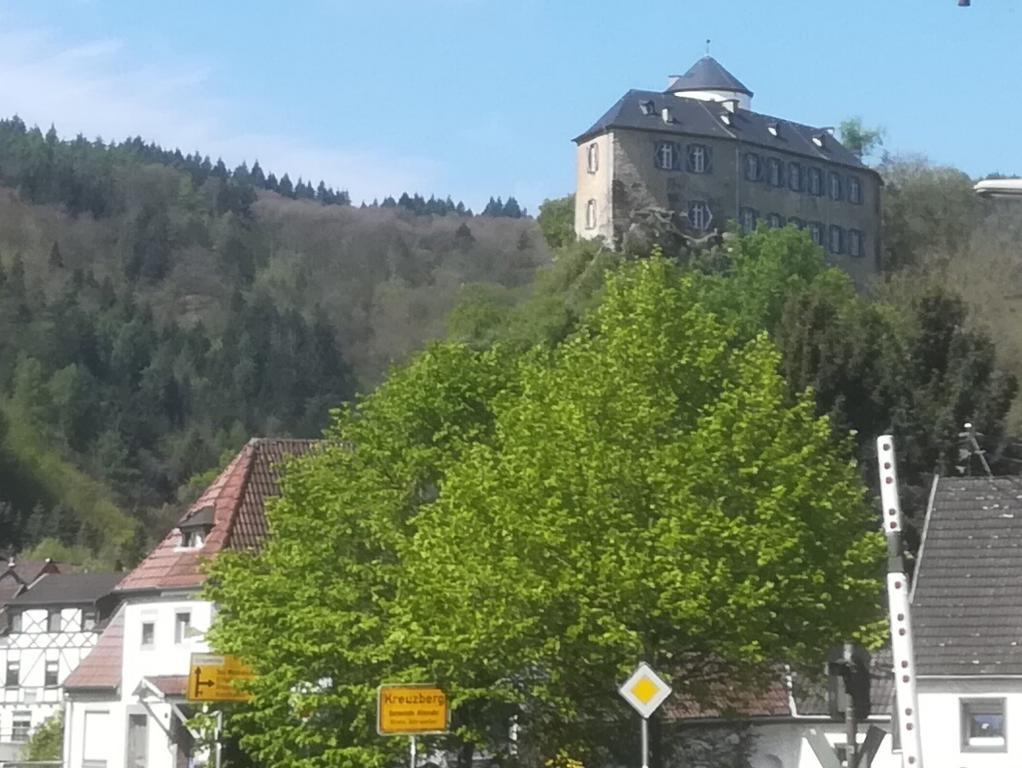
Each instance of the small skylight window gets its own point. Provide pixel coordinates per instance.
(726, 119)
(818, 140)
(774, 129)
(647, 107)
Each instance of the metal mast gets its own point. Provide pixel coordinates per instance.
(898, 606)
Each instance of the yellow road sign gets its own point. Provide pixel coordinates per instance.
(645, 690)
(409, 710)
(212, 678)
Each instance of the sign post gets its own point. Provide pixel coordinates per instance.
(212, 678)
(645, 690)
(411, 710)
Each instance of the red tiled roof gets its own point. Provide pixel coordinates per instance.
(170, 685)
(237, 497)
(732, 700)
(101, 669)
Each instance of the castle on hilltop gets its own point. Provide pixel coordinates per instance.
(699, 150)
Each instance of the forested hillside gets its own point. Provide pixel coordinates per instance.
(157, 310)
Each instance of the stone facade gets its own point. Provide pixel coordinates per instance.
(715, 164)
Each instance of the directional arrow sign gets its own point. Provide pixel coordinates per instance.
(645, 690)
(212, 678)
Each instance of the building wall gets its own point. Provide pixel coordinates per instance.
(940, 722)
(32, 700)
(784, 744)
(595, 187)
(637, 182)
(164, 657)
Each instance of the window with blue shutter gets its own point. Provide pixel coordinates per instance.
(835, 187)
(776, 172)
(816, 232)
(699, 216)
(854, 190)
(815, 182)
(855, 242)
(775, 220)
(699, 158)
(753, 170)
(747, 218)
(665, 155)
(794, 177)
(836, 241)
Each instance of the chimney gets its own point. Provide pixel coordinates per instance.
(665, 113)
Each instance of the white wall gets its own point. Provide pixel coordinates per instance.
(32, 648)
(940, 722)
(164, 657)
(595, 186)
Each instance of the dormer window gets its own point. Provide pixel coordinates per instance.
(775, 130)
(647, 107)
(195, 528)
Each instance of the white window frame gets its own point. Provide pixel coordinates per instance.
(775, 221)
(665, 154)
(834, 231)
(13, 665)
(854, 190)
(54, 617)
(15, 620)
(88, 619)
(776, 173)
(748, 220)
(815, 174)
(816, 232)
(181, 627)
(591, 214)
(752, 162)
(21, 727)
(834, 186)
(593, 158)
(795, 171)
(152, 638)
(52, 665)
(702, 218)
(697, 158)
(971, 707)
(855, 238)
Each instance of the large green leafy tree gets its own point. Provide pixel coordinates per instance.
(523, 527)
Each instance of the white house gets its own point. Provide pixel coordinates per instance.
(126, 702)
(50, 626)
(967, 614)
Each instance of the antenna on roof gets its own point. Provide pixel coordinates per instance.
(971, 448)
(707, 46)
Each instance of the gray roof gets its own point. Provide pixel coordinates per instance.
(707, 74)
(967, 605)
(809, 687)
(68, 589)
(693, 117)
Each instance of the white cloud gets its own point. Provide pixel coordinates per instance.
(92, 87)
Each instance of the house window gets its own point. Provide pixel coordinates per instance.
(775, 220)
(699, 215)
(776, 172)
(983, 725)
(88, 619)
(13, 678)
(698, 158)
(836, 239)
(593, 158)
(794, 177)
(854, 190)
(591, 214)
(748, 220)
(191, 539)
(854, 242)
(797, 223)
(148, 634)
(21, 724)
(14, 621)
(665, 155)
(52, 670)
(816, 232)
(752, 167)
(835, 186)
(53, 621)
(815, 180)
(182, 623)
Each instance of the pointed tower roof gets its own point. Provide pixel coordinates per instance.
(707, 74)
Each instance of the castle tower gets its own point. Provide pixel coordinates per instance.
(707, 80)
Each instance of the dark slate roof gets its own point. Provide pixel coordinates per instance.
(693, 117)
(199, 518)
(809, 687)
(707, 74)
(967, 604)
(68, 589)
(101, 669)
(238, 502)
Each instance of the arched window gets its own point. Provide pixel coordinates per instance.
(591, 214)
(593, 157)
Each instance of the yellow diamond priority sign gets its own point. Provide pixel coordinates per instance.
(645, 690)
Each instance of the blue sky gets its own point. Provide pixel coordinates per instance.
(474, 98)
